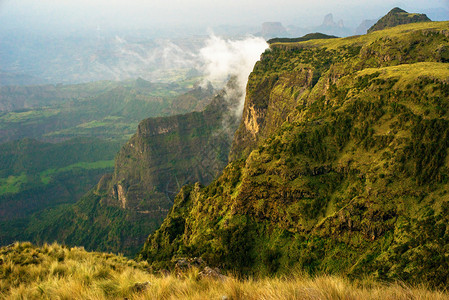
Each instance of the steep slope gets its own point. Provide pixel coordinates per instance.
(340, 165)
(396, 17)
(163, 155)
(61, 272)
(36, 176)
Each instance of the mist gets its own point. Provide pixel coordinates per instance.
(224, 58)
(162, 17)
(68, 41)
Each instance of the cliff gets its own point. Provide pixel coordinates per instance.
(164, 154)
(339, 165)
(169, 152)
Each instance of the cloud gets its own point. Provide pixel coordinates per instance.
(223, 59)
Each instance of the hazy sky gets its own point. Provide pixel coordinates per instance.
(73, 15)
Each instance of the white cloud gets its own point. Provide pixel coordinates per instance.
(223, 58)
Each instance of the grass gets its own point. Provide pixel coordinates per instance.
(102, 164)
(366, 38)
(28, 116)
(58, 272)
(408, 73)
(12, 184)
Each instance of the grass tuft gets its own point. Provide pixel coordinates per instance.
(92, 275)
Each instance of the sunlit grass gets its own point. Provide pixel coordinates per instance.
(28, 116)
(57, 272)
(408, 73)
(366, 38)
(102, 164)
(12, 184)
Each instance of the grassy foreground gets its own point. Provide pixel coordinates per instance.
(58, 272)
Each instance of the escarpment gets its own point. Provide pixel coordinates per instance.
(169, 152)
(150, 169)
(287, 75)
(339, 165)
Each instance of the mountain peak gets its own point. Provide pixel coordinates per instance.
(397, 10)
(398, 16)
(328, 20)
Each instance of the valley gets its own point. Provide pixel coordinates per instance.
(59, 140)
(313, 167)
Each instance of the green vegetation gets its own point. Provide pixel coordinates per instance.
(36, 175)
(307, 37)
(340, 166)
(12, 184)
(102, 164)
(86, 125)
(60, 272)
(397, 17)
(103, 109)
(94, 224)
(164, 154)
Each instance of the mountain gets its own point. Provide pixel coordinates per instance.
(272, 29)
(364, 26)
(33, 57)
(339, 165)
(87, 124)
(396, 17)
(165, 154)
(329, 26)
(8, 78)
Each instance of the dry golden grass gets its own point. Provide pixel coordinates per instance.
(56, 272)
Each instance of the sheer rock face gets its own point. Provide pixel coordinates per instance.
(397, 17)
(266, 107)
(168, 152)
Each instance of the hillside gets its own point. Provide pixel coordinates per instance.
(165, 154)
(104, 109)
(86, 125)
(60, 272)
(36, 176)
(396, 17)
(340, 165)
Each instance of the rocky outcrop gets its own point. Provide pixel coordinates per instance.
(329, 22)
(168, 152)
(273, 29)
(267, 106)
(397, 17)
(329, 26)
